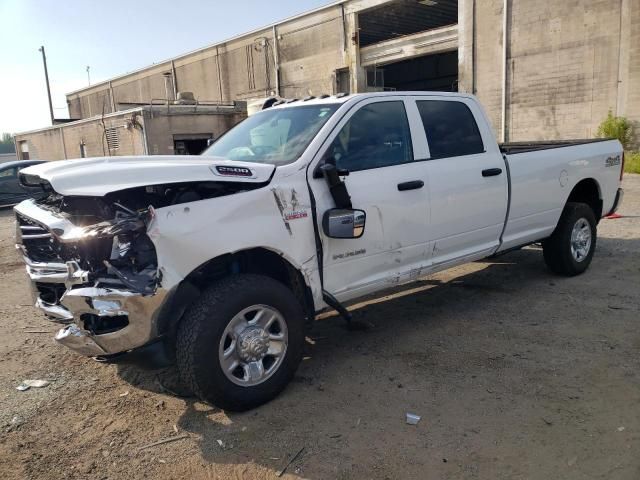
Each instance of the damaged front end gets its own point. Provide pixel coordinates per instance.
(93, 267)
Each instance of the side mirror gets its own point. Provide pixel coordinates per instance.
(210, 141)
(344, 223)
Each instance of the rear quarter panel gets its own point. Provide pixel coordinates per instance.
(541, 182)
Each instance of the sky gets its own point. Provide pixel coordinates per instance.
(112, 38)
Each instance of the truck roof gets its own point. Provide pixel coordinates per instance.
(346, 97)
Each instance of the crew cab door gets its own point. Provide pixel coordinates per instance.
(376, 143)
(467, 180)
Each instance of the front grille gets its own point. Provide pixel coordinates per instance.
(37, 241)
(51, 293)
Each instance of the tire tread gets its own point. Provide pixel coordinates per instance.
(199, 317)
(556, 251)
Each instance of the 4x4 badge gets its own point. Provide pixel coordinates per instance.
(612, 161)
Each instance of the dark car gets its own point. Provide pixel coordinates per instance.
(11, 192)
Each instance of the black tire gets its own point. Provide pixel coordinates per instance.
(557, 248)
(201, 330)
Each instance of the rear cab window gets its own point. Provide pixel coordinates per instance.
(451, 129)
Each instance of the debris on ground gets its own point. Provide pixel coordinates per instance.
(220, 442)
(124, 394)
(621, 429)
(616, 307)
(27, 384)
(16, 422)
(413, 419)
(280, 472)
(164, 440)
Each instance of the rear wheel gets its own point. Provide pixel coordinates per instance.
(569, 250)
(240, 344)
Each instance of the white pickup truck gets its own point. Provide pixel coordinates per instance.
(227, 257)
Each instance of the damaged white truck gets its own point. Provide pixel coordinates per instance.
(227, 257)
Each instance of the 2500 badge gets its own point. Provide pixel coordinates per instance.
(233, 171)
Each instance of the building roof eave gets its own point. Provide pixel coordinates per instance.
(202, 49)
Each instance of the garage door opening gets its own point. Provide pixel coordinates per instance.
(190, 144)
(404, 17)
(429, 73)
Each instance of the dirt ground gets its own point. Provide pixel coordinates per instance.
(516, 374)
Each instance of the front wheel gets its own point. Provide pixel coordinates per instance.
(240, 344)
(569, 250)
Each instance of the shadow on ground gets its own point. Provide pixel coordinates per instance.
(428, 336)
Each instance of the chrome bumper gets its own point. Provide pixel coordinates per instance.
(79, 341)
(141, 312)
(81, 298)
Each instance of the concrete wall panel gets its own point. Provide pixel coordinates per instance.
(489, 58)
(44, 145)
(310, 56)
(630, 101)
(563, 67)
(200, 77)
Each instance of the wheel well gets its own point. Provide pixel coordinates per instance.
(257, 260)
(587, 191)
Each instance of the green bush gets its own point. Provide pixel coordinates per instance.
(632, 162)
(616, 127)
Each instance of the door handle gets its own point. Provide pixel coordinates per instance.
(412, 185)
(491, 172)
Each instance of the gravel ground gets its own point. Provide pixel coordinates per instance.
(516, 374)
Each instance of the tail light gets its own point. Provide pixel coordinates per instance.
(622, 166)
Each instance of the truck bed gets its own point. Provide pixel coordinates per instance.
(523, 147)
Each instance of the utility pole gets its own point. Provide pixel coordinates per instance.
(88, 76)
(46, 77)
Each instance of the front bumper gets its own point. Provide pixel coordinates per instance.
(65, 294)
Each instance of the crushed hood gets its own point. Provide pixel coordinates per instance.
(103, 175)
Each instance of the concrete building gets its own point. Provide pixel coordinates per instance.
(146, 130)
(543, 69)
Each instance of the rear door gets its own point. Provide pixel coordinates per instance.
(374, 143)
(467, 180)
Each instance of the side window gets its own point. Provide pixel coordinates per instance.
(8, 174)
(376, 136)
(450, 128)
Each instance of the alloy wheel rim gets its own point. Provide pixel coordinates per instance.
(253, 345)
(580, 240)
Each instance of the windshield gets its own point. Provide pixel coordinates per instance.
(277, 136)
